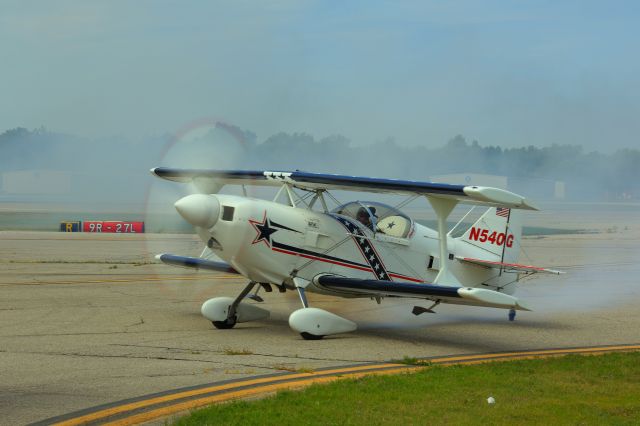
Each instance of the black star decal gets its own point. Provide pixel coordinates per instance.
(391, 225)
(264, 230)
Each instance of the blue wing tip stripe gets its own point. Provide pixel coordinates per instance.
(378, 183)
(169, 172)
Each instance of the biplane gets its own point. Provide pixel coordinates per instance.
(360, 249)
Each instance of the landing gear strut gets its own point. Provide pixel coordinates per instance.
(314, 323)
(232, 318)
(305, 304)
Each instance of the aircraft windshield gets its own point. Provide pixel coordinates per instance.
(386, 219)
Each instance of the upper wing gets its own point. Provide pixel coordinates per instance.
(509, 267)
(213, 180)
(444, 294)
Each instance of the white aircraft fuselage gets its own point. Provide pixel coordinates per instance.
(269, 242)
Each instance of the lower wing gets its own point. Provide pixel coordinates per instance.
(437, 293)
(195, 263)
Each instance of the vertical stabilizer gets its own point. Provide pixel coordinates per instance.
(497, 234)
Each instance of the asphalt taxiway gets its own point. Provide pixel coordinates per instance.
(89, 319)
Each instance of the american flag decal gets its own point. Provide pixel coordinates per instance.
(366, 248)
(502, 211)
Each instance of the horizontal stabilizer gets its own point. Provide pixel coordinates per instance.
(195, 263)
(509, 267)
(210, 181)
(444, 294)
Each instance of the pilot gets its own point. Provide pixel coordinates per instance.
(364, 217)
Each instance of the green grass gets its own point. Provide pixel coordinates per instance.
(589, 390)
(412, 361)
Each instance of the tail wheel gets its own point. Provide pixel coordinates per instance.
(309, 336)
(224, 325)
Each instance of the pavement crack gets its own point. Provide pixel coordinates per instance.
(145, 357)
(125, 356)
(99, 333)
(267, 355)
(135, 324)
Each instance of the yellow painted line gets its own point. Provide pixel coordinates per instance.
(244, 393)
(313, 377)
(140, 404)
(545, 352)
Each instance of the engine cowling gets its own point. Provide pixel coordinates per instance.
(200, 210)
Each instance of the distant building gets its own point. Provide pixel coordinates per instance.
(36, 182)
(472, 179)
(537, 188)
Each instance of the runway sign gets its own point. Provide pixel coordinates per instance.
(112, 226)
(71, 226)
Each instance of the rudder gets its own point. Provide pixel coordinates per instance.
(497, 232)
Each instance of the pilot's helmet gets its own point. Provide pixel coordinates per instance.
(362, 213)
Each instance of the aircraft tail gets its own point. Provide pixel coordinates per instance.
(496, 235)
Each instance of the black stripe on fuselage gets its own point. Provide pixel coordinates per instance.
(277, 225)
(365, 246)
(316, 254)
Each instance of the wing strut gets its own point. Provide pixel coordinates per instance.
(443, 208)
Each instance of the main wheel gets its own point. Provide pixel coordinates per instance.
(309, 336)
(224, 325)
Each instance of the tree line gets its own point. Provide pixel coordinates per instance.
(587, 174)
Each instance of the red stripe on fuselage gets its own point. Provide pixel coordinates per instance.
(346, 265)
(404, 277)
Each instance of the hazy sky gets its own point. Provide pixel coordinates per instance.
(507, 73)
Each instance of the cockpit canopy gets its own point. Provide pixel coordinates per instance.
(386, 219)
